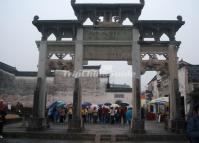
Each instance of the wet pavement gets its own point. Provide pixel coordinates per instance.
(93, 133)
(65, 141)
(151, 127)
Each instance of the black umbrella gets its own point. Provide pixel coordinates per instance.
(100, 105)
(124, 104)
(108, 104)
(86, 104)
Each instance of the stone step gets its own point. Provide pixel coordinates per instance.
(97, 137)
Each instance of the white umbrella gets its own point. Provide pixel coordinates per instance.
(159, 100)
(94, 106)
(104, 106)
(114, 105)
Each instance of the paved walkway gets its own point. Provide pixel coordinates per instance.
(151, 127)
(93, 133)
(64, 141)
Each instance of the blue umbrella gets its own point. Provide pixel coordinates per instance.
(54, 105)
(60, 104)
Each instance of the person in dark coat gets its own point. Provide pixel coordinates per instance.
(193, 126)
(142, 113)
(3, 113)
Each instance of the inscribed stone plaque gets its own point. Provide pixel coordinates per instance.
(108, 34)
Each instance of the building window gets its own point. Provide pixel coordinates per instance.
(119, 96)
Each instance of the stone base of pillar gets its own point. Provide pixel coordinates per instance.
(177, 126)
(138, 126)
(37, 124)
(75, 125)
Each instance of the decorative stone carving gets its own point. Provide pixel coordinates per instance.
(50, 55)
(111, 13)
(60, 55)
(156, 28)
(154, 65)
(73, 2)
(60, 28)
(61, 65)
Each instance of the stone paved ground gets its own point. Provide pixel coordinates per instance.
(65, 141)
(152, 128)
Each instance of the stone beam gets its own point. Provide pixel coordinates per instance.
(59, 46)
(108, 50)
(157, 47)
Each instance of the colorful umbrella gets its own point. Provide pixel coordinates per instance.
(55, 104)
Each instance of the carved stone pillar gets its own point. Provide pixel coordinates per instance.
(175, 122)
(137, 124)
(76, 124)
(38, 120)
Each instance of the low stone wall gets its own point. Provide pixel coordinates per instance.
(15, 89)
(7, 83)
(25, 85)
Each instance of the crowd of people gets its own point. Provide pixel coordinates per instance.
(102, 114)
(99, 114)
(106, 114)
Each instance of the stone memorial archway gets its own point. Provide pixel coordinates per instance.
(109, 39)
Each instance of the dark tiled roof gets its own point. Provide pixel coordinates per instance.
(193, 73)
(104, 75)
(182, 63)
(119, 88)
(32, 73)
(14, 71)
(91, 67)
(8, 68)
(26, 73)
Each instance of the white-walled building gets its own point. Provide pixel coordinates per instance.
(188, 80)
(17, 86)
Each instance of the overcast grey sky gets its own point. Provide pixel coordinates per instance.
(18, 35)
